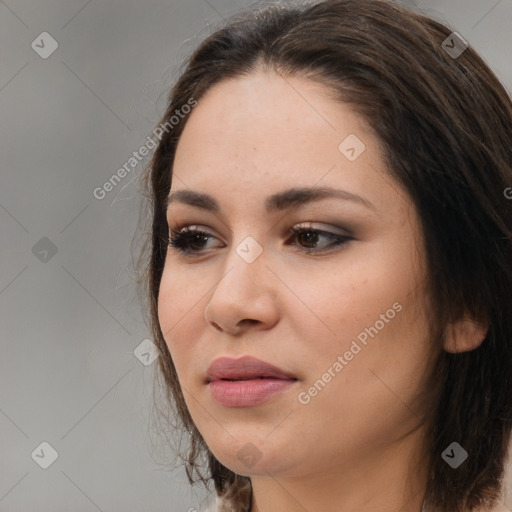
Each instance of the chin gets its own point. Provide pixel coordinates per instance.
(251, 459)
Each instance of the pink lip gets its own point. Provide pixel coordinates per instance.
(246, 381)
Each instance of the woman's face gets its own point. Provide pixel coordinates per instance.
(342, 311)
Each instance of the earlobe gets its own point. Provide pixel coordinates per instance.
(465, 335)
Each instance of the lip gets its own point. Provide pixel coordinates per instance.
(246, 381)
(244, 368)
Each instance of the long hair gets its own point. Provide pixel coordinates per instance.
(445, 123)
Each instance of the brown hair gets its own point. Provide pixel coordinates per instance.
(445, 124)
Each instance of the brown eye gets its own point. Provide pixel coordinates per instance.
(188, 240)
(309, 238)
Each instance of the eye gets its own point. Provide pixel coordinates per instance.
(192, 241)
(309, 237)
(189, 240)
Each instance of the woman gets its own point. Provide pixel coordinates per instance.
(330, 269)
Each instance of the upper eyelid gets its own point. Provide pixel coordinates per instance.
(315, 226)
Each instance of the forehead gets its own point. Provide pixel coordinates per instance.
(263, 133)
(265, 103)
(267, 123)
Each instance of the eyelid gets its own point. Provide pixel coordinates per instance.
(306, 224)
(190, 227)
(320, 226)
(193, 228)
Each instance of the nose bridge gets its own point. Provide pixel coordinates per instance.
(246, 264)
(244, 291)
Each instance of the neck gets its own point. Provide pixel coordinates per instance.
(391, 480)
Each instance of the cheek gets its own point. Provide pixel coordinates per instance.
(342, 300)
(179, 308)
(167, 305)
(373, 307)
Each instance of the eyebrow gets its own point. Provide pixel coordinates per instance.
(288, 199)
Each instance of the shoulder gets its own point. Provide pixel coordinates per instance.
(213, 507)
(219, 505)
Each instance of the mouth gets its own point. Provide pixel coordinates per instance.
(251, 378)
(251, 389)
(246, 381)
(244, 369)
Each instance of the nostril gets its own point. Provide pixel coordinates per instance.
(217, 326)
(249, 321)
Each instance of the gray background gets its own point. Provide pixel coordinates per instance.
(70, 321)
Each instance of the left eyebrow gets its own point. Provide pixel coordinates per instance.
(288, 199)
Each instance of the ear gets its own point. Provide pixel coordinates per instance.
(465, 334)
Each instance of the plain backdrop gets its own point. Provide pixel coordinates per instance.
(73, 393)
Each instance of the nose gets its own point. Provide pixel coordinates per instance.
(245, 296)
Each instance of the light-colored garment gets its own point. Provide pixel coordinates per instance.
(214, 507)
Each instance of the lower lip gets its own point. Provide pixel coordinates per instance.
(247, 393)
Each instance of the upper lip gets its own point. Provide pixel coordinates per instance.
(244, 368)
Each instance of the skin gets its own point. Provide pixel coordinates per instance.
(358, 444)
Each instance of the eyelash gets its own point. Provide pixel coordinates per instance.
(179, 239)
